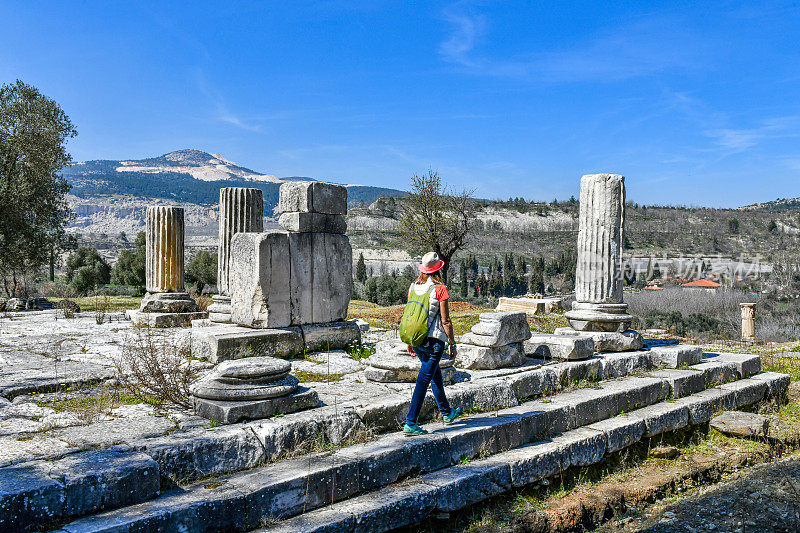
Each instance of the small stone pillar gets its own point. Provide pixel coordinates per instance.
(164, 262)
(240, 211)
(748, 322)
(598, 279)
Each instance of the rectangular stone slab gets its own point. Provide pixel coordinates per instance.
(566, 347)
(164, 320)
(676, 356)
(746, 364)
(741, 424)
(41, 492)
(477, 357)
(332, 277)
(223, 343)
(312, 197)
(499, 329)
(301, 274)
(313, 222)
(232, 412)
(606, 341)
(260, 280)
(331, 336)
(682, 382)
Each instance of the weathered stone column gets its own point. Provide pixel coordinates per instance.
(240, 211)
(164, 262)
(748, 321)
(164, 249)
(598, 278)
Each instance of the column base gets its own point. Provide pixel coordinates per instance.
(220, 309)
(599, 317)
(231, 412)
(163, 320)
(168, 302)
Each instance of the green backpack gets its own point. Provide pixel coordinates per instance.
(414, 324)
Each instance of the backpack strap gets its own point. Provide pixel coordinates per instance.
(438, 308)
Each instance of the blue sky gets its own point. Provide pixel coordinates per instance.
(695, 103)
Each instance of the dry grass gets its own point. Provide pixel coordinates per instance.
(548, 322)
(463, 315)
(304, 376)
(89, 408)
(155, 367)
(108, 304)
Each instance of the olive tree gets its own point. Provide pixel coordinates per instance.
(33, 135)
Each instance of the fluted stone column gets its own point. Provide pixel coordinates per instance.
(748, 321)
(598, 278)
(164, 249)
(240, 211)
(164, 262)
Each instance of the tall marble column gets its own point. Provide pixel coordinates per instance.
(240, 211)
(164, 262)
(598, 278)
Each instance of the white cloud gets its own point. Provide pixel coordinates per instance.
(737, 140)
(467, 28)
(639, 48)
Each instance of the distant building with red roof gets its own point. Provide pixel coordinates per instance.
(704, 284)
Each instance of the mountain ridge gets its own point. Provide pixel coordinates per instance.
(109, 196)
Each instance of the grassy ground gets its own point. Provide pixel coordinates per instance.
(463, 315)
(107, 304)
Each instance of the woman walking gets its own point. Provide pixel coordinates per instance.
(440, 331)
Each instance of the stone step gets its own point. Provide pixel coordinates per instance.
(240, 502)
(220, 451)
(38, 493)
(184, 456)
(451, 489)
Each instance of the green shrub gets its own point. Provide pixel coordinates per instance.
(87, 270)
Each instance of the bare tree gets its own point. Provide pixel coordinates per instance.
(435, 218)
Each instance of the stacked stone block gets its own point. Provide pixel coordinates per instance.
(495, 341)
(303, 275)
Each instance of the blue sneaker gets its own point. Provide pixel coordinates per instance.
(454, 413)
(412, 430)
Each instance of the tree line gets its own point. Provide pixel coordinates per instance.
(506, 275)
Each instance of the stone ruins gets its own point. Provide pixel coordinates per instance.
(289, 292)
(166, 302)
(291, 433)
(598, 302)
(249, 389)
(241, 210)
(598, 313)
(495, 341)
(289, 289)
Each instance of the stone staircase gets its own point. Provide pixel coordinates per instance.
(581, 412)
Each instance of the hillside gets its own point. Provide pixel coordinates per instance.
(781, 204)
(532, 229)
(110, 196)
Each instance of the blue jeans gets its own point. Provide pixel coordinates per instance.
(429, 355)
